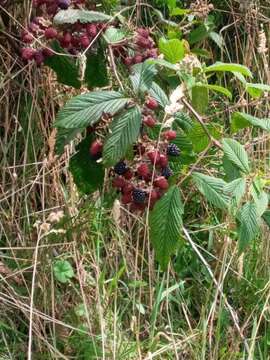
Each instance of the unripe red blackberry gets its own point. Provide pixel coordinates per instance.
(143, 32)
(91, 30)
(143, 42)
(84, 41)
(126, 198)
(63, 4)
(152, 53)
(163, 160)
(27, 53)
(127, 188)
(119, 182)
(96, 149)
(154, 156)
(27, 37)
(138, 59)
(128, 60)
(151, 103)
(128, 175)
(143, 170)
(149, 121)
(50, 33)
(33, 28)
(65, 40)
(169, 135)
(161, 182)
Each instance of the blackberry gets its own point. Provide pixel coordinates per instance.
(166, 172)
(120, 168)
(173, 150)
(138, 196)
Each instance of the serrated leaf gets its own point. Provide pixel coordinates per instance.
(232, 172)
(261, 201)
(165, 225)
(236, 153)
(172, 49)
(142, 76)
(200, 98)
(156, 92)
(242, 120)
(257, 90)
(199, 138)
(64, 137)
(63, 271)
(183, 121)
(266, 217)
(198, 34)
(96, 69)
(113, 35)
(216, 88)
(125, 130)
(231, 67)
(249, 225)
(87, 109)
(88, 175)
(64, 66)
(236, 189)
(71, 16)
(213, 189)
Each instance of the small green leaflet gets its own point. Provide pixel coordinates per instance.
(165, 225)
(236, 189)
(87, 109)
(257, 90)
(113, 35)
(213, 189)
(249, 225)
(219, 66)
(63, 271)
(88, 175)
(124, 132)
(236, 153)
(216, 88)
(71, 16)
(172, 49)
(242, 120)
(142, 76)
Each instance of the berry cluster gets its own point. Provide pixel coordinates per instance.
(74, 39)
(143, 180)
(140, 48)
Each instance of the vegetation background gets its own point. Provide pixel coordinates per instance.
(117, 304)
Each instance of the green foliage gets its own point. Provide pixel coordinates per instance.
(71, 16)
(236, 153)
(142, 76)
(156, 92)
(219, 66)
(242, 120)
(249, 225)
(200, 99)
(86, 109)
(257, 90)
(63, 271)
(113, 35)
(172, 49)
(213, 189)
(236, 189)
(124, 132)
(165, 225)
(88, 175)
(64, 137)
(66, 69)
(216, 88)
(96, 69)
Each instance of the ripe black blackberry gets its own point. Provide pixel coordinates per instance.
(173, 150)
(121, 168)
(138, 196)
(166, 172)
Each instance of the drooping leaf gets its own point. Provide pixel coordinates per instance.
(87, 109)
(88, 175)
(156, 92)
(257, 90)
(230, 67)
(249, 225)
(124, 132)
(64, 137)
(217, 38)
(260, 198)
(113, 35)
(236, 153)
(236, 189)
(216, 88)
(165, 225)
(172, 49)
(64, 66)
(242, 120)
(266, 217)
(63, 271)
(71, 16)
(142, 76)
(200, 98)
(96, 69)
(213, 189)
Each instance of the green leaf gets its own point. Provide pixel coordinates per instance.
(172, 49)
(242, 120)
(113, 35)
(71, 16)
(142, 76)
(266, 217)
(257, 90)
(199, 138)
(66, 70)
(164, 63)
(260, 198)
(165, 225)
(232, 172)
(88, 175)
(200, 98)
(64, 137)
(216, 88)
(236, 153)
(213, 189)
(219, 66)
(236, 189)
(156, 92)
(87, 109)
(218, 39)
(63, 271)
(96, 69)
(177, 11)
(198, 34)
(249, 225)
(125, 130)
(183, 121)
